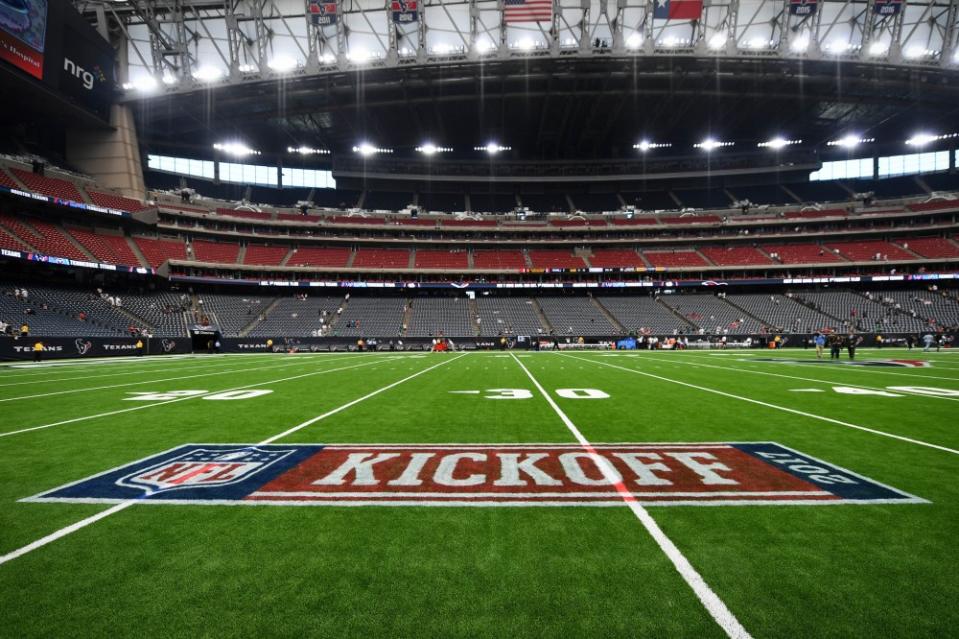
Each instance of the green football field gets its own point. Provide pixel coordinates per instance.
(688, 545)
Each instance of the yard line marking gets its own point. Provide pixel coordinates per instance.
(357, 401)
(181, 399)
(806, 390)
(710, 600)
(807, 379)
(774, 406)
(152, 381)
(465, 392)
(83, 523)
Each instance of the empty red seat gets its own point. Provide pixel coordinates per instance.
(555, 258)
(158, 251)
(320, 256)
(802, 253)
(868, 250)
(218, 252)
(439, 259)
(264, 255)
(616, 258)
(250, 215)
(499, 260)
(111, 249)
(381, 258)
(674, 258)
(54, 187)
(735, 255)
(933, 247)
(112, 201)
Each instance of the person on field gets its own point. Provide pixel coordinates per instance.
(835, 346)
(927, 341)
(852, 341)
(38, 351)
(139, 348)
(820, 341)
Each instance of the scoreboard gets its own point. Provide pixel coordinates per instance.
(50, 43)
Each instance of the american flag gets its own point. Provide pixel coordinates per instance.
(527, 11)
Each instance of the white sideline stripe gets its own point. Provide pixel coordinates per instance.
(357, 401)
(180, 399)
(775, 406)
(151, 381)
(533, 495)
(128, 373)
(828, 382)
(83, 523)
(710, 600)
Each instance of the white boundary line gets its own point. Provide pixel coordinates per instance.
(83, 523)
(773, 406)
(181, 399)
(151, 381)
(710, 600)
(828, 382)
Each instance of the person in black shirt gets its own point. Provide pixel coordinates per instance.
(852, 341)
(835, 346)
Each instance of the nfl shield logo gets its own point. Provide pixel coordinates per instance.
(203, 468)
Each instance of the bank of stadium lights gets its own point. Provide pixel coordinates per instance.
(366, 149)
(672, 42)
(646, 145)
(878, 48)
(307, 150)
(492, 148)
(922, 139)
(526, 44)
(282, 64)
(483, 46)
(777, 143)
(710, 144)
(430, 149)
(840, 47)
(634, 41)
(916, 52)
(757, 43)
(144, 84)
(237, 149)
(328, 58)
(169, 79)
(850, 141)
(208, 74)
(800, 44)
(359, 55)
(718, 40)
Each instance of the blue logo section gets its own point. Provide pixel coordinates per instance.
(833, 479)
(192, 472)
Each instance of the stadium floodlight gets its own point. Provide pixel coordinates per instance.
(144, 84)
(307, 150)
(800, 44)
(483, 46)
(718, 40)
(366, 149)
(778, 143)
(208, 73)
(838, 47)
(282, 64)
(442, 48)
(757, 43)
(850, 141)
(646, 145)
(359, 55)
(327, 58)
(237, 149)
(916, 51)
(492, 148)
(526, 44)
(879, 48)
(246, 67)
(709, 144)
(430, 149)
(634, 41)
(922, 139)
(169, 79)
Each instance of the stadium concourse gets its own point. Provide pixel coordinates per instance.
(479, 319)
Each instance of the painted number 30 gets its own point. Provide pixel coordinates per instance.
(525, 393)
(180, 394)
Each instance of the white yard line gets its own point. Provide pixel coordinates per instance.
(785, 409)
(182, 399)
(827, 382)
(710, 600)
(73, 391)
(83, 523)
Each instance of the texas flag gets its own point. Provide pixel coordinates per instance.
(678, 9)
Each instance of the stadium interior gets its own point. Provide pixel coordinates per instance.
(289, 178)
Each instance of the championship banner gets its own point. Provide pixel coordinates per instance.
(322, 14)
(404, 11)
(887, 7)
(802, 7)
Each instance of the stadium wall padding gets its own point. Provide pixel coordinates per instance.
(78, 347)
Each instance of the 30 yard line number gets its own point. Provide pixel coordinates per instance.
(151, 396)
(525, 393)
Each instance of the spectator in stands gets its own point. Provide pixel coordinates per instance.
(25, 330)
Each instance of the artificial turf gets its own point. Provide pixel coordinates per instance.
(191, 570)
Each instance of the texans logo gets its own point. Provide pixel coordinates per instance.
(83, 347)
(168, 345)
